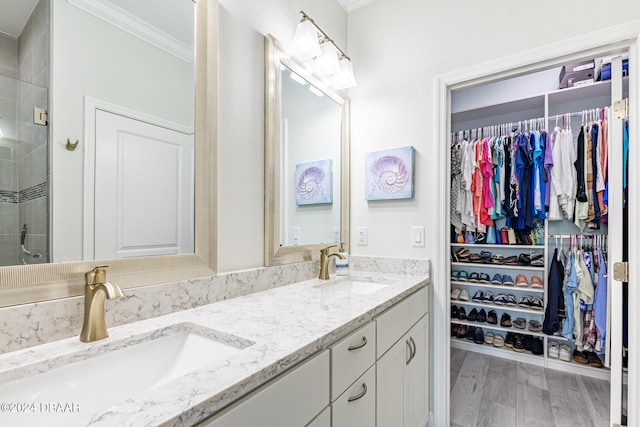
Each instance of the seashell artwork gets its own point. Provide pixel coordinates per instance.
(389, 174)
(314, 183)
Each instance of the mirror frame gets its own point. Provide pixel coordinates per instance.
(274, 254)
(43, 282)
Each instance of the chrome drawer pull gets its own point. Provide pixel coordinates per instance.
(362, 344)
(360, 395)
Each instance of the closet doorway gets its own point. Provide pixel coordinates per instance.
(471, 270)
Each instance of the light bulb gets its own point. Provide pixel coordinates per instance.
(328, 62)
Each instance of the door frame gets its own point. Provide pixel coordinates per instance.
(91, 105)
(622, 37)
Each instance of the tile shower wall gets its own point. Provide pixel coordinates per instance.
(23, 151)
(28, 325)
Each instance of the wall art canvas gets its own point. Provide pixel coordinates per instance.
(389, 174)
(314, 182)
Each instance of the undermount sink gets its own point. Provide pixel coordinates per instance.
(359, 285)
(73, 388)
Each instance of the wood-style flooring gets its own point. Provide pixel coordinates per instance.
(494, 392)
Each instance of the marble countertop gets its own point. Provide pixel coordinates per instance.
(286, 324)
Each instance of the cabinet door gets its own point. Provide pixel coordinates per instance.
(417, 376)
(390, 374)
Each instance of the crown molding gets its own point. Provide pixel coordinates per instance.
(351, 5)
(108, 12)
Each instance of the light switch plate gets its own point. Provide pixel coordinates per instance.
(417, 236)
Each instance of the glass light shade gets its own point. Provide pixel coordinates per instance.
(344, 78)
(327, 63)
(305, 42)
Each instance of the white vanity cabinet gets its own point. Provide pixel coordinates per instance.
(291, 400)
(402, 375)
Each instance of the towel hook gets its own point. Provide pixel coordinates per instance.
(70, 146)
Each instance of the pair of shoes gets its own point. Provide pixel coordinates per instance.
(531, 302)
(535, 326)
(511, 260)
(505, 320)
(462, 255)
(460, 294)
(497, 259)
(479, 278)
(458, 313)
(486, 257)
(537, 259)
(524, 259)
(492, 317)
(477, 316)
(519, 322)
(504, 299)
(475, 258)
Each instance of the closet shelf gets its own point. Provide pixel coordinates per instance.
(482, 245)
(498, 307)
(500, 266)
(496, 328)
(578, 368)
(502, 352)
(506, 287)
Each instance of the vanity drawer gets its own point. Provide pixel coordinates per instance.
(350, 357)
(356, 407)
(395, 322)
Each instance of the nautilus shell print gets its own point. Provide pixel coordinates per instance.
(313, 182)
(310, 183)
(389, 174)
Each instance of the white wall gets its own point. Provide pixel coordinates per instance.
(243, 24)
(398, 47)
(92, 57)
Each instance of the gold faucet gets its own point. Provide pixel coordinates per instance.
(95, 290)
(324, 261)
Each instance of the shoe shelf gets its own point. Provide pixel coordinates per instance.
(482, 245)
(502, 352)
(506, 287)
(576, 368)
(497, 306)
(486, 325)
(500, 266)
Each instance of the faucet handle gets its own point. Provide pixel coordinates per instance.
(325, 251)
(96, 276)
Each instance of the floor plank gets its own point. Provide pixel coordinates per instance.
(490, 391)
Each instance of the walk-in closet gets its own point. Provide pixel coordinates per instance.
(538, 179)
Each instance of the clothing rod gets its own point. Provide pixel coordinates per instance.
(577, 113)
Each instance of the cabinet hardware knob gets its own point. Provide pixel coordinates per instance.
(359, 395)
(357, 346)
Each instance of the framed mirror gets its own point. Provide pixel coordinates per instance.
(306, 161)
(21, 284)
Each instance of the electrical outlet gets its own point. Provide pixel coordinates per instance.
(417, 236)
(296, 236)
(361, 237)
(336, 234)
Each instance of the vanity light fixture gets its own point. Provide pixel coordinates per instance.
(330, 61)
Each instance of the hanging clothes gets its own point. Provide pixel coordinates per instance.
(551, 322)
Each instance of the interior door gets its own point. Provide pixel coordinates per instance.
(143, 189)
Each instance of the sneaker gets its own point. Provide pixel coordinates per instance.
(518, 343)
(488, 298)
(492, 317)
(501, 299)
(455, 293)
(536, 282)
(520, 323)
(455, 275)
(473, 277)
(484, 278)
(565, 353)
(497, 280)
(482, 316)
(463, 276)
(505, 320)
(488, 338)
(525, 301)
(508, 340)
(478, 296)
(507, 280)
(537, 346)
(462, 313)
(511, 300)
(464, 295)
(521, 281)
(536, 303)
(478, 336)
(553, 350)
(473, 315)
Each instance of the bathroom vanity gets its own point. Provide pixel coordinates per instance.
(316, 352)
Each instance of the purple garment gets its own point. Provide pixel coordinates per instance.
(548, 164)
